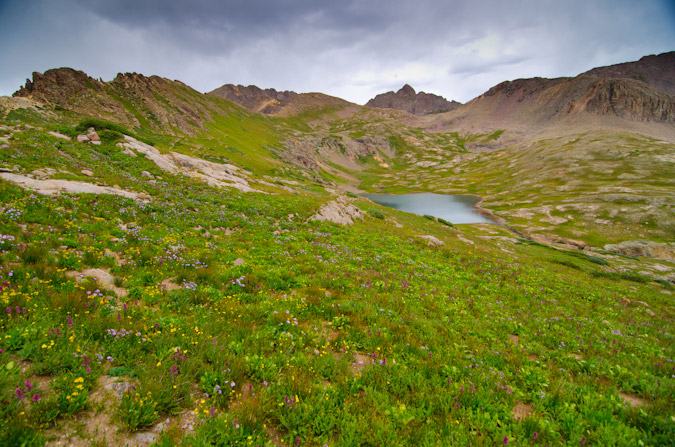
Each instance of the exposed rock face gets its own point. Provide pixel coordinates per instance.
(310, 152)
(267, 101)
(58, 85)
(215, 174)
(657, 71)
(416, 103)
(642, 248)
(632, 100)
(54, 187)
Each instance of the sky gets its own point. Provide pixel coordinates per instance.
(353, 49)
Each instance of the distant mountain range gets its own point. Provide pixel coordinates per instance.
(641, 91)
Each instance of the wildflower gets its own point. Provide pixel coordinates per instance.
(35, 398)
(70, 321)
(29, 385)
(534, 436)
(506, 440)
(18, 394)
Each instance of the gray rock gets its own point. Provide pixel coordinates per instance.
(82, 139)
(87, 172)
(146, 438)
(97, 143)
(433, 240)
(59, 135)
(93, 136)
(238, 261)
(119, 388)
(650, 312)
(643, 248)
(39, 173)
(146, 174)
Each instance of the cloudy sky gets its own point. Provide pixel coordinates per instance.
(353, 49)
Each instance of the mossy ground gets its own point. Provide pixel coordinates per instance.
(324, 335)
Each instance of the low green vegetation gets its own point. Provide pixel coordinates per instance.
(229, 318)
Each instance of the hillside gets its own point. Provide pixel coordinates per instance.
(177, 269)
(408, 100)
(271, 102)
(656, 70)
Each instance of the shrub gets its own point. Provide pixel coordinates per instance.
(376, 214)
(100, 125)
(110, 136)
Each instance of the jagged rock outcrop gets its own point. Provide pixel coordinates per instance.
(416, 103)
(130, 99)
(267, 101)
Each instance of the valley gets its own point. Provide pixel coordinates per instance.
(181, 268)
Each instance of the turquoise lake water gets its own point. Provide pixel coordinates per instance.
(457, 209)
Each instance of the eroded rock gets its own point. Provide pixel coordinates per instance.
(647, 249)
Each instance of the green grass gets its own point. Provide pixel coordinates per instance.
(325, 334)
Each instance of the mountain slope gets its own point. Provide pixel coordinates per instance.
(131, 99)
(272, 102)
(538, 103)
(416, 103)
(655, 70)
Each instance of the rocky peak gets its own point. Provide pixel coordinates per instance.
(406, 90)
(416, 103)
(58, 84)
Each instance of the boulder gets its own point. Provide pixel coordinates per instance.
(339, 212)
(432, 240)
(87, 172)
(82, 139)
(93, 136)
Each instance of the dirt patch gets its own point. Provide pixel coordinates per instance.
(634, 400)
(102, 277)
(169, 285)
(521, 411)
(328, 331)
(514, 339)
(361, 361)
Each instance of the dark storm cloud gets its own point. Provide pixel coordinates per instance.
(353, 49)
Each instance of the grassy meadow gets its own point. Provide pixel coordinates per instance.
(226, 318)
